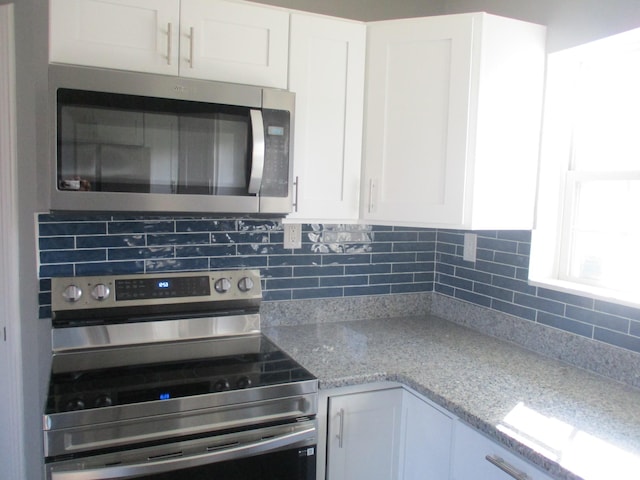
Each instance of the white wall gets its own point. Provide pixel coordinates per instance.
(31, 77)
(569, 22)
(365, 10)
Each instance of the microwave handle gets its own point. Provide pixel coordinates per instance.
(257, 151)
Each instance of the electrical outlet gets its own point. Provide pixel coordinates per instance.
(292, 235)
(470, 246)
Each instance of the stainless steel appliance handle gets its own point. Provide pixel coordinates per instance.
(257, 151)
(174, 462)
(507, 467)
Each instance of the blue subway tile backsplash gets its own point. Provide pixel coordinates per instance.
(334, 261)
(498, 280)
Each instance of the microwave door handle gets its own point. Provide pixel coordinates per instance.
(257, 151)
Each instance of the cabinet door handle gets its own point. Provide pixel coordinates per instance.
(507, 467)
(371, 188)
(191, 41)
(169, 39)
(296, 185)
(341, 428)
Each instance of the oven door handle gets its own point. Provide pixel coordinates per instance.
(168, 464)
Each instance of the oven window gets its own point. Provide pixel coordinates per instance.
(294, 464)
(297, 462)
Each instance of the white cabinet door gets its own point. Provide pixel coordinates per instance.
(473, 454)
(326, 72)
(452, 121)
(363, 435)
(417, 94)
(426, 441)
(140, 35)
(504, 123)
(210, 39)
(234, 42)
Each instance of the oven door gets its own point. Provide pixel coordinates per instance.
(281, 452)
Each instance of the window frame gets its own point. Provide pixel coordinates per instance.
(557, 180)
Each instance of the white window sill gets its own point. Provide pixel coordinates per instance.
(624, 298)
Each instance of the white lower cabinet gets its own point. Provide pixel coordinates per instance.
(363, 435)
(385, 431)
(385, 434)
(476, 457)
(426, 440)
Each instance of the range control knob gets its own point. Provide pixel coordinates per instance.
(245, 284)
(222, 285)
(221, 385)
(103, 401)
(72, 293)
(100, 292)
(243, 382)
(74, 404)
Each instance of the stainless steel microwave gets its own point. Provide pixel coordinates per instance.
(138, 142)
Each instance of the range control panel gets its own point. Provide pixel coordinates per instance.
(109, 291)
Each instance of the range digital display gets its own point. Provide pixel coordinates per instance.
(275, 130)
(165, 287)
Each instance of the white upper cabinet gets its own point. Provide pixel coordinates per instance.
(451, 105)
(326, 72)
(453, 112)
(234, 42)
(122, 34)
(210, 39)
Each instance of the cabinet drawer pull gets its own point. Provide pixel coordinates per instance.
(507, 468)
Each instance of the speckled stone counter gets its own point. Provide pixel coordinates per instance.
(569, 422)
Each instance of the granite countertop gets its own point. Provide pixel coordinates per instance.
(569, 422)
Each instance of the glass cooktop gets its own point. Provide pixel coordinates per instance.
(163, 372)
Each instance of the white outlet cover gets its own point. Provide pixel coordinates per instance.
(470, 246)
(292, 235)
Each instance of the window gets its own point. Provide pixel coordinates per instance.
(588, 214)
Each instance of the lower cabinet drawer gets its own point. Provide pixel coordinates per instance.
(476, 456)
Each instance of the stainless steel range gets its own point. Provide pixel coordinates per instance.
(167, 376)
